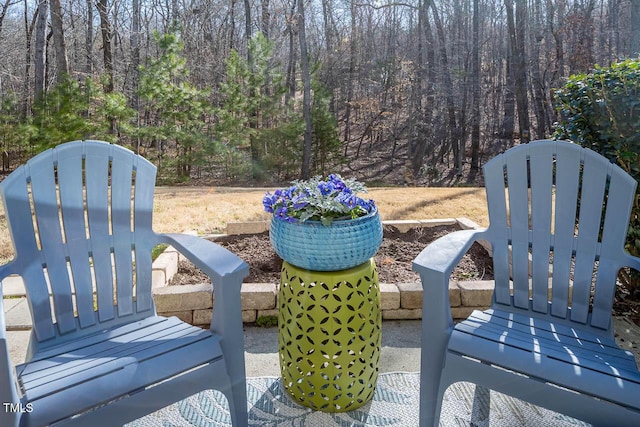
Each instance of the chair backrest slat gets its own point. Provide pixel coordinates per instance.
(77, 255)
(18, 209)
(592, 198)
(541, 175)
(519, 223)
(497, 203)
(566, 198)
(70, 182)
(552, 224)
(48, 218)
(121, 214)
(97, 195)
(143, 215)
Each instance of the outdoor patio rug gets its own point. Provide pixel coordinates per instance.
(395, 403)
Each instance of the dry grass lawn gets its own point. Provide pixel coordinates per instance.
(209, 209)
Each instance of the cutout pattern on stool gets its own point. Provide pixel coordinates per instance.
(330, 336)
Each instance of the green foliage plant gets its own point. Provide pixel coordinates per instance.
(173, 111)
(601, 110)
(326, 141)
(75, 110)
(14, 132)
(259, 132)
(259, 123)
(267, 321)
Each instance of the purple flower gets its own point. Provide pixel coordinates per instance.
(281, 213)
(269, 201)
(318, 199)
(337, 182)
(348, 199)
(367, 205)
(326, 188)
(299, 202)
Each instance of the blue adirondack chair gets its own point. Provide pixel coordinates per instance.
(548, 336)
(99, 354)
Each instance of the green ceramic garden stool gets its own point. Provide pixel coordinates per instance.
(330, 335)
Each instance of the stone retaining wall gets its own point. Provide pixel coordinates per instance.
(400, 301)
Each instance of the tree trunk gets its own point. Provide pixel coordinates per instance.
(135, 65)
(516, 41)
(247, 30)
(3, 11)
(475, 106)
(291, 67)
(88, 41)
(452, 126)
(105, 28)
(536, 35)
(266, 18)
(422, 129)
(58, 37)
(305, 173)
(40, 47)
(634, 44)
(28, 27)
(353, 46)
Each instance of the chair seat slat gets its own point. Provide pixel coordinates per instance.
(559, 332)
(109, 334)
(572, 350)
(622, 388)
(78, 394)
(43, 373)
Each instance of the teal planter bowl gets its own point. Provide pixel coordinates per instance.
(313, 246)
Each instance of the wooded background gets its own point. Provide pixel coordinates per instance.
(262, 91)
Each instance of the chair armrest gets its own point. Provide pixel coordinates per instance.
(214, 260)
(445, 253)
(632, 262)
(226, 271)
(435, 264)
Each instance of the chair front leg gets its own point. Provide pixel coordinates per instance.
(227, 321)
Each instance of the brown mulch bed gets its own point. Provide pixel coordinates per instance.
(393, 260)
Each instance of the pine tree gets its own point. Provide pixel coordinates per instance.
(174, 111)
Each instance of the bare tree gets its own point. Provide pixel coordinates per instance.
(634, 45)
(40, 48)
(518, 60)
(29, 26)
(57, 29)
(4, 7)
(88, 46)
(305, 173)
(105, 30)
(475, 106)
